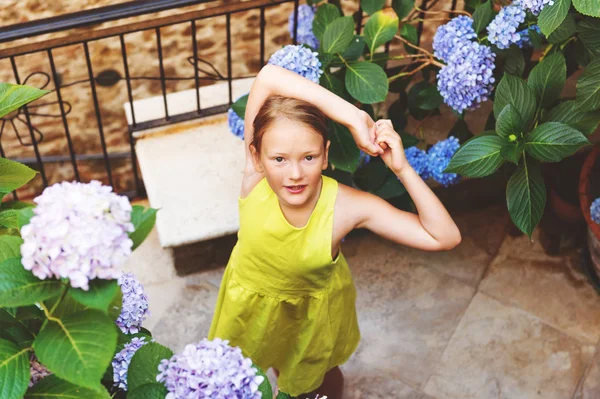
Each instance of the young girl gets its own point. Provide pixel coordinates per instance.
(287, 298)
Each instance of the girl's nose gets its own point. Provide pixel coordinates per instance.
(296, 171)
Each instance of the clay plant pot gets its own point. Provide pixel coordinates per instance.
(589, 189)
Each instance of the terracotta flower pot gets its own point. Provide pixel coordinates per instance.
(591, 254)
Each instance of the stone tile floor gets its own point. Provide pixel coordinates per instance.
(494, 318)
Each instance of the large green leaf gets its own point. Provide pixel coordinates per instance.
(513, 90)
(14, 174)
(153, 390)
(143, 368)
(338, 35)
(24, 216)
(100, 295)
(429, 98)
(64, 306)
(356, 49)
(14, 96)
(15, 331)
(380, 29)
(478, 157)
(265, 387)
(509, 124)
(343, 152)
(588, 87)
(564, 31)
(589, 33)
(391, 188)
(514, 63)
(334, 85)
(482, 16)
(52, 387)
(366, 82)
(526, 195)
(512, 152)
(588, 7)
(569, 113)
(403, 7)
(371, 6)
(14, 370)
(78, 348)
(239, 106)
(553, 15)
(553, 141)
(9, 218)
(371, 176)
(411, 34)
(548, 78)
(143, 221)
(10, 247)
(19, 287)
(326, 13)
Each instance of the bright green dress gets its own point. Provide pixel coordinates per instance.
(283, 299)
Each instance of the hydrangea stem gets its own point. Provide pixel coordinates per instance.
(442, 11)
(401, 74)
(430, 60)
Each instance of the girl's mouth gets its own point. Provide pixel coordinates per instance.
(296, 189)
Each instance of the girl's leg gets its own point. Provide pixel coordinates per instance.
(333, 384)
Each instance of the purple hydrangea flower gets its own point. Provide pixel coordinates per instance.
(299, 59)
(364, 158)
(439, 156)
(502, 31)
(135, 304)
(468, 78)
(210, 369)
(525, 39)
(37, 371)
(534, 6)
(236, 124)
(417, 158)
(79, 232)
(452, 35)
(306, 14)
(120, 362)
(595, 210)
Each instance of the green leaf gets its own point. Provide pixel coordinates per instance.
(553, 141)
(569, 113)
(153, 390)
(265, 387)
(410, 33)
(143, 221)
(588, 87)
(566, 29)
(356, 49)
(9, 218)
(478, 157)
(338, 35)
(326, 14)
(78, 348)
(283, 395)
(588, 7)
(548, 78)
(17, 205)
(114, 309)
(66, 307)
(343, 152)
(408, 140)
(509, 123)
(100, 295)
(371, 176)
(334, 85)
(15, 331)
(526, 196)
(13, 174)
(515, 62)
(143, 368)
(589, 33)
(239, 106)
(52, 387)
(403, 7)
(512, 151)
(13, 97)
(429, 99)
(366, 82)
(461, 131)
(14, 370)
(552, 16)
(482, 16)
(371, 6)
(513, 90)
(537, 39)
(24, 216)
(391, 188)
(19, 287)
(380, 29)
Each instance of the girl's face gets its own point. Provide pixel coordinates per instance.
(292, 157)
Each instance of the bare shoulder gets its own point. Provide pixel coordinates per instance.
(249, 181)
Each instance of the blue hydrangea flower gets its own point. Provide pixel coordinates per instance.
(417, 158)
(135, 304)
(595, 210)
(502, 31)
(452, 35)
(364, 158)
(120, 362)
(439, 156)
(525, 39)
(299, 59)
(468, 78)
(534, 6)
(236, 124)
(306, 14)
(210, 369)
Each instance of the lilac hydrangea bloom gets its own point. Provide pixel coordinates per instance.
(122, 359)
(534, 6)
(37, 371)
(210, 369)
(439, 156)
(452, 35)
(525, 39)
(299, 59)
(79, 232)
(417, 159)
(135, 304)
(595, 210)
(236, 124)
(502, 31)
(468, 78)
(306, 15)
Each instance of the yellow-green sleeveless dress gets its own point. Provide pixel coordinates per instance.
(283, 299)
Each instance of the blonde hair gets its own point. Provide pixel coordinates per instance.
(276, 107)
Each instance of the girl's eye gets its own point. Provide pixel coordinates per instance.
(309, 157)
(278, 159)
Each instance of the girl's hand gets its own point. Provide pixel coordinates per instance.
(363, 132)
(393, 154)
